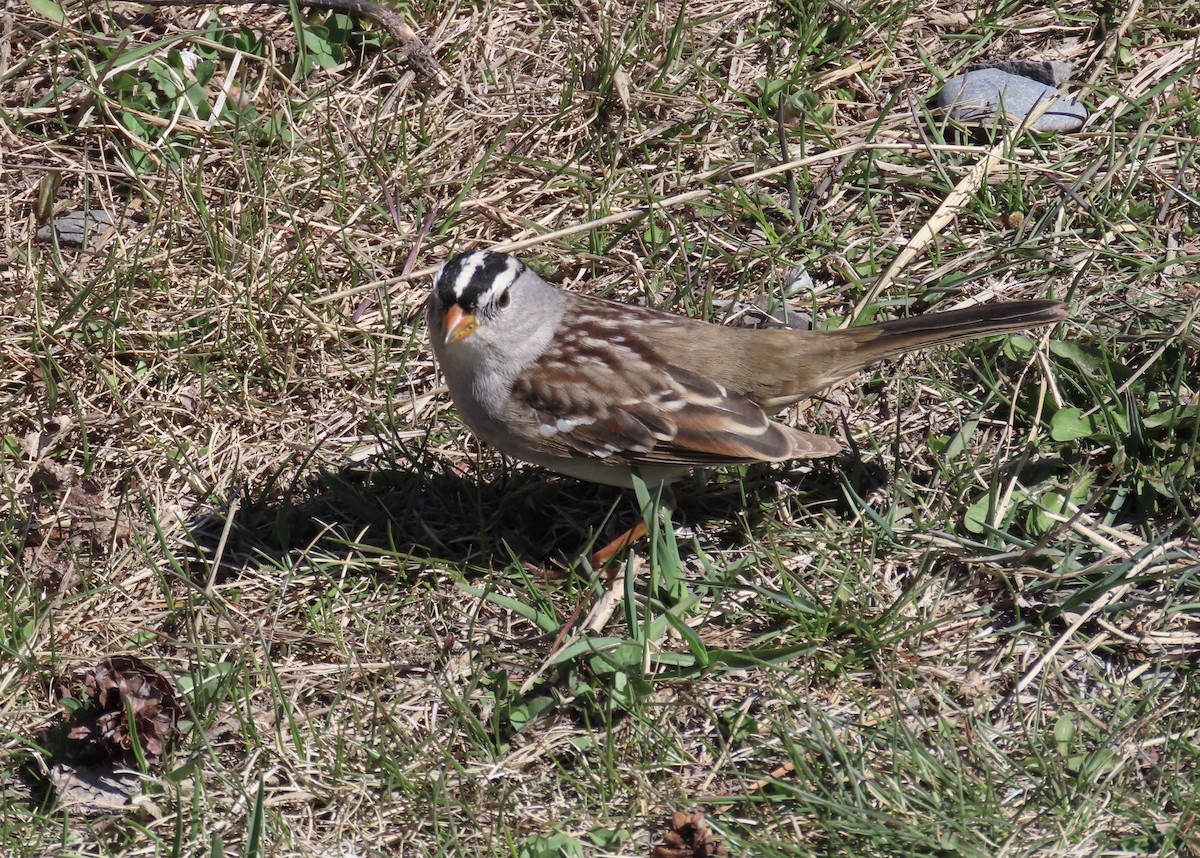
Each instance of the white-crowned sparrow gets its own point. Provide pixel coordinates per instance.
(594, 388)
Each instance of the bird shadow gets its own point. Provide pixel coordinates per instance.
(424, 510)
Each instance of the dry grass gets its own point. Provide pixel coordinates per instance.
(224, 447)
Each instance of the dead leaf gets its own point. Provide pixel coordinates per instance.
(93, 791)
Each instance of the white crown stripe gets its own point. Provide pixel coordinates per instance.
(466, 272)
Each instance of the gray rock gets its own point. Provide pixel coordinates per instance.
(765, 313)
(74, 228)
(980, 97)
(1050, 72)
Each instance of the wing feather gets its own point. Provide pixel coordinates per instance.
(613, 397)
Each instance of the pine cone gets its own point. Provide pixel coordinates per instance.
(689, 837)
(112, 685)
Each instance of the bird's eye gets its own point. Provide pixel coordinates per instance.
(503, 300)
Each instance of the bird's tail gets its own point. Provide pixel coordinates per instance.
(827, 357)
(887, 339)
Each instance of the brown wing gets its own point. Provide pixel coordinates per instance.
(620, 400)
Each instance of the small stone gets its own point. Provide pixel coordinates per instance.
(77, 227)
(977, 97)
(1050, 72)
(798, 280)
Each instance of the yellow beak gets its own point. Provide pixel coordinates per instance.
(458, 325)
